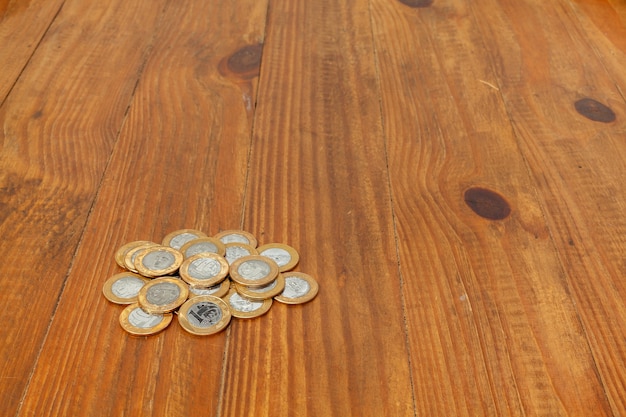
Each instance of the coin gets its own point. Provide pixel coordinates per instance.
(299, 288)
(262, 293)
(246, 309)
(204, 269)
(201, 245)
(237, 236)
(178, 238)
(204, 315)
(122, 251)
(236, 250)
(253, 271)
(137, 321)
(156, 261)
(285, 256)
(123, 288)
(162, 295)
(131, 255)
(218, 290)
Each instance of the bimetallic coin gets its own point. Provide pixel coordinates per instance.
(218, 290)
(262, 293)
(246, 309)
(162, 295)
(204, 315)
(157, 261)
(204, 269)
(178, 238)
(237, 236)
(121, 252)
(202, 245)
(236, 250)
(299, 288)
(131, 255)
(123, 288)
(137, 321)
(254, 271)
(284, 255)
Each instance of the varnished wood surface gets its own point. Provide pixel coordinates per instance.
(450, 171)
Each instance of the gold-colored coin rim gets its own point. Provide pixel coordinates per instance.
(252, 240)
(139, 331)
(120, 254)
(249, 248)
(128, 258)
(199, 283)
(168, 237)
(221, 292)
(305, 298)
(265, 307)
(107, 288)
(237, 278)
(295, 256)
(166, 308)
(246, 292)
(140, 267)
(221, 249)
(201, 331)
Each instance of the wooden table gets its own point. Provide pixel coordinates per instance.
(452, 172)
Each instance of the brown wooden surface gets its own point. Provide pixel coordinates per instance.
(463, 217)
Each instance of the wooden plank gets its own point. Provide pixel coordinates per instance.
(547, 65)
(180, 162)
(22, 26)
(318, 182)
(58, 127)
(493, 330)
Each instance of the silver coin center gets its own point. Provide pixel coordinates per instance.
(178, 241)
(162, 294)
(205, 291)
(235, 252)
(254, 269)
(264, 288)
(204, 314)
(243, 305)
(204, 268)
(235, 237)
(201, 247)
(127, 287)
(278, 255)
(158, 259)
(295, 287)
(144, 320)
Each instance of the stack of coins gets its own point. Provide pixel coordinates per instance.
(204, 281)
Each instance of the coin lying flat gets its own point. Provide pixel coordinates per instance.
(137, 321)
(178, 238)
(262, 293)
(162, 295)
(120, 254)
(218, 290)
(204, 315)
(285, 256)
(131, 255)
(235, 250)
(201, 245)
(237, 236)
(299, 288)
(123, 288)
(157, 261)
(204, 269)
(243, 308)
(253, 271)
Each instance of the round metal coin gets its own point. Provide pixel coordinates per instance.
(299, 288)
(284, 255)
(121, 252)
(253, 271)
(123, 288)
(218, 290)
(246, 309)
(157, 261)
(237, 236)
(131, 255)
(202, 245)
(178, 238)
(137, 321)
(236, 250)
(204, 315)
(262, 293)
(204, 269)
(163, 295)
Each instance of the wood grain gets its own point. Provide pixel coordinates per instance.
(318, 182)
(180, 162)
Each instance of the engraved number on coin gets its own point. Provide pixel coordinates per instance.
(163, 294)
(254, 269)
(159, 259)
(127, 287)
(144, 320)
(295, 287)
(204, 314)
(204, 268)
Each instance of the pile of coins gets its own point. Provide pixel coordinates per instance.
(204, 280)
